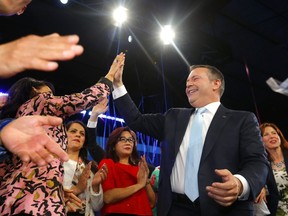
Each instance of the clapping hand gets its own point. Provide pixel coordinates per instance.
(82, 182)
(99, 177)
(143, 173)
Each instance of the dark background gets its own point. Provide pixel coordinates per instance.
(227, 34)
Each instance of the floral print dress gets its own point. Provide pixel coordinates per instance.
(27, 188)
(281, 178)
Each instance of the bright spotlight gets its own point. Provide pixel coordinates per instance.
(64, 1)
(130, 38)
(167, 35)
(120, 16)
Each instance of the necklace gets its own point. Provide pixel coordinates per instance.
(278, 164)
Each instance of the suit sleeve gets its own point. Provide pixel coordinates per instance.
(94, 149)
(254, 164)
(150, 124)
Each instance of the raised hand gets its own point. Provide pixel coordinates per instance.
(98, 109)
(226, 192)
(117, 82)
(26, 138)
(37, 52)
(116, 65)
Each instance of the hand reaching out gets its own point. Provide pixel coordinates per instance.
(37, 52)
(226, 192)
(26, 138)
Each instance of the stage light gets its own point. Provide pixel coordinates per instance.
(130, 38)
(106, 117)
(64, 1)
(167, 35)
(3, 94)
(120, 16)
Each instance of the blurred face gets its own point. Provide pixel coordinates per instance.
(125, 144)
(3, 99)
(200, 90)
(76, 137)
(43, 89)
(271, 138)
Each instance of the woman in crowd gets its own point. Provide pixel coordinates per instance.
(24, 187)
(127, 189)
(276, 146)
(79, 173)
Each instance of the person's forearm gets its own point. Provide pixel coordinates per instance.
(117, 194)
(93, 117)
(151, 195)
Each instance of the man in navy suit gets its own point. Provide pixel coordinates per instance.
(233, 166)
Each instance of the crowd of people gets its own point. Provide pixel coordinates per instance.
(45, 168)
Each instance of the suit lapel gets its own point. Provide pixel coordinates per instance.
(219, 120)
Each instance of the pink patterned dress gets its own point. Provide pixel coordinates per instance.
(26, 188)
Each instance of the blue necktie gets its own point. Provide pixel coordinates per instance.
(194, 155)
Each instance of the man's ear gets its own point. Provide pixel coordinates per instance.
(217, 84)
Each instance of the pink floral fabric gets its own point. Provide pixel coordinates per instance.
(26, 188)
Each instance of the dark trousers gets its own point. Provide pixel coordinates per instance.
(183, 206)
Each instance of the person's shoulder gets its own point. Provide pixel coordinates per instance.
(236, 112)
(240, 114)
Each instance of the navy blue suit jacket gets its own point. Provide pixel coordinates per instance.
(232, 142)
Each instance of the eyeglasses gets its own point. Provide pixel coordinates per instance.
(124, 140)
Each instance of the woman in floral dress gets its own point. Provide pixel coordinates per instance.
(26, 189)
(276, 193)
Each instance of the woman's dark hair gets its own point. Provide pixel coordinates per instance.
(20, 92)
(114, 139)
(284, 142)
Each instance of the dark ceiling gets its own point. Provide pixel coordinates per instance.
(227, 34)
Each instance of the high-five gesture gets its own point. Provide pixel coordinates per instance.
(116, 65)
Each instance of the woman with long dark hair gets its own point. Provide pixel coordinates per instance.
(276, 193)
(81, 175)
(24, 187)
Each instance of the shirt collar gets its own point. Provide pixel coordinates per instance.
(212, 107)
